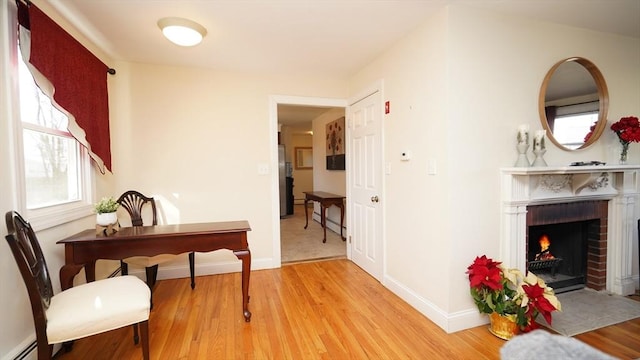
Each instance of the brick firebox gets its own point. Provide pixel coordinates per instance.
(548, 214)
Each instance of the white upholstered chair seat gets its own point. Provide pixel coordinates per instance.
(97, 307)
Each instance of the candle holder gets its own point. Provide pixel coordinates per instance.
(522, 161)
(539, 160)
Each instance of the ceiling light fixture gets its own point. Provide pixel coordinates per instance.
(181, 31)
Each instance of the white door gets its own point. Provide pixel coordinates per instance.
(365, 183)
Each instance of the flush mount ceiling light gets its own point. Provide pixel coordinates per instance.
(181, 31)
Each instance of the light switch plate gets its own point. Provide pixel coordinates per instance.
(263, 169)
(432, 167)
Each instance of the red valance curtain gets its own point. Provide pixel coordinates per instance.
(79, 80)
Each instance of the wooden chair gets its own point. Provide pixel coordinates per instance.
(80, 311)
(134, 202)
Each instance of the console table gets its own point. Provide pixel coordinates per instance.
(326, 200)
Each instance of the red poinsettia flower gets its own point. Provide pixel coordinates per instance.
(537, 301)
(485, 272)
(532, 325)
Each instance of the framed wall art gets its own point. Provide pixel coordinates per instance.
(335, 144)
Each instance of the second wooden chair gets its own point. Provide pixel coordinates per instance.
(134, 202)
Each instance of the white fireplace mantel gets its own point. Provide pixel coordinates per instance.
(619, 184)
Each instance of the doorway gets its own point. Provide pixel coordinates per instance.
(292, 124)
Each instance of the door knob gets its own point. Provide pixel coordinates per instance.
(374, 198)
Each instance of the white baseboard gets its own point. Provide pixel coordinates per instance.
(449, 322)
(331, 225)
(202, 269)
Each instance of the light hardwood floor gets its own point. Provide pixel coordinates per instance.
(317, 310)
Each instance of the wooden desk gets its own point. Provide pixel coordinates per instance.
(326, 200)
(83, 249)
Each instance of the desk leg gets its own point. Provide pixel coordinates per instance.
(306, 217)
(67, 273)
(245, 257)
(323, 220)
(90, 271)
(341, 221)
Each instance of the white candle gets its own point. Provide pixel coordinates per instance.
(538, 140)
(523, 134)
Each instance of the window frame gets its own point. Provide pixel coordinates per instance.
(52, 215)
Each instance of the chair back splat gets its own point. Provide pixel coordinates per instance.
(133, 201)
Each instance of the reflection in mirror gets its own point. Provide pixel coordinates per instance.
(304, 157)
(573, 103)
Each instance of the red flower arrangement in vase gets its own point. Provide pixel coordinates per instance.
(628, 131)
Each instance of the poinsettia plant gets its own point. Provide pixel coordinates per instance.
(508, 292)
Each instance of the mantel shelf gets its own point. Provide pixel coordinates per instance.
(551, 170)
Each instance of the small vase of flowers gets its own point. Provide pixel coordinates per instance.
(106, 211)
(628, 131)
(508, 295)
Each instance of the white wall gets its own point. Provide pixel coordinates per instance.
(332, 181)
(194, 138)
(459, 86)
(14, 314)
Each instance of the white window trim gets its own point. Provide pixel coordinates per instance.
(48, 217)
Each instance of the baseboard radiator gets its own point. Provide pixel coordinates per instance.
(26, 351)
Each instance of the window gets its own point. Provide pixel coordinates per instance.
(54, 167)
(570, 130)
(572, 122)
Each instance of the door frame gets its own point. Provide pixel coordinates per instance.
(274, 101)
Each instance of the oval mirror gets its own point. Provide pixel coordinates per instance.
(573, 103)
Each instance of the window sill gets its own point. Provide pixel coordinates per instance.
(42, 220)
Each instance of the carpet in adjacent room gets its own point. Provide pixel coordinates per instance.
(300, 244)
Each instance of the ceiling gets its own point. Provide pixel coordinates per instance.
(324, 38)
(299, 116)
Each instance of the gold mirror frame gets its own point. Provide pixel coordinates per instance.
(303, 158)
(603, 98)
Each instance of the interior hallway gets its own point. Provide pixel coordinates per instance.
(298, 244)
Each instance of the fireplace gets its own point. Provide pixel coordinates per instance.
(567, 244)
(588, 213)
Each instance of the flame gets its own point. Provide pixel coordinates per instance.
(544, 253)
(544, 243)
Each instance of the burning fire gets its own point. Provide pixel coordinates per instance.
(544, 254)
